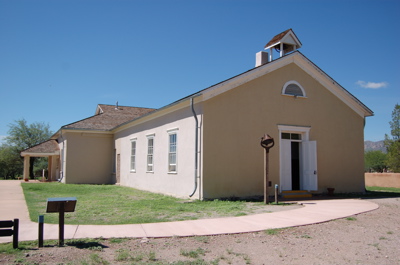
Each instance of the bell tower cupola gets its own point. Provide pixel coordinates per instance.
(283, 43)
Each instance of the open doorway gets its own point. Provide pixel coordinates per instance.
(298, 159)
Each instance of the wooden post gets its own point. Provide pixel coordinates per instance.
(266, 177)
(61, 225)
(267, 142)
(15, 233)
(40, 231)
(11, 228)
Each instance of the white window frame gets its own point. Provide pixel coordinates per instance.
(133, 155)
(150, 154)
(173, 151)
(295, 83)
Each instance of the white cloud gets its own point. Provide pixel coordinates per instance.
(371, 85)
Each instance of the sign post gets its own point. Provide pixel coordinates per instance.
(267, 142)
(40, 230)
(61, 206)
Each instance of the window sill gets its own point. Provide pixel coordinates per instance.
(293, 96)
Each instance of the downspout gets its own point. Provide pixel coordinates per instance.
(196, 147)
(62, 160)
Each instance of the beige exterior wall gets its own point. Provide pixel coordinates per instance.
(388, 180)
(179, 119)
(235, 121)
(88, 158)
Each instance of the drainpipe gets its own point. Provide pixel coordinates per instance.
(62, 160)
(196, 147)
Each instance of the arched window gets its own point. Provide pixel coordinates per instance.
(293, 88)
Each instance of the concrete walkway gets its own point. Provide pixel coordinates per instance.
(13, 205)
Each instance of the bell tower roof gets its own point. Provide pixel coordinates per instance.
(284, 42)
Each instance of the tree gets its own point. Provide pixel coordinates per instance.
(11, 165)
(23, 136)
(393, 144)
(375, 161)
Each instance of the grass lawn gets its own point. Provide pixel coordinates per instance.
(110, 204)
(382, 189)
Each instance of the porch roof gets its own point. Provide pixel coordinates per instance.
(47, 148)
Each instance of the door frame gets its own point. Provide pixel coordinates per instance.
(305, 135)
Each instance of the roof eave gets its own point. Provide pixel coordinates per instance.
(36, 154)
(334, 87)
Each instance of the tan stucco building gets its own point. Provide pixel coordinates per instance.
(207, 145)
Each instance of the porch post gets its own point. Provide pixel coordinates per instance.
(26, 167)
(50, 168)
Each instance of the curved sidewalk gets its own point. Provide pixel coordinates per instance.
(13, 205)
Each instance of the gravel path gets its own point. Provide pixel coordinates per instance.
(368, 238)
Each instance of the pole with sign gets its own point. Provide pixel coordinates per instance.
(267, 142)
(61, 206)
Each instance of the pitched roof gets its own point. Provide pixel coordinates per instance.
(281, 36)
(108, 117)
(47, 147)
(248, 75)
(277, 38)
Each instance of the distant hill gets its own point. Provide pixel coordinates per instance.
(374, 146)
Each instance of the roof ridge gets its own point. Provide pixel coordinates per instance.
(81, 120)
(125, 106)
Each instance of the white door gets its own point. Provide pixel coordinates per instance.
(286, 165)
(309, 176)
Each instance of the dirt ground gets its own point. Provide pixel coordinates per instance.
(368, 238)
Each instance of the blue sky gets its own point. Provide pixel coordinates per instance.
(59, 59)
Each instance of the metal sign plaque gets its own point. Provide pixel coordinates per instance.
(54, 205)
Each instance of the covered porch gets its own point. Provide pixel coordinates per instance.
(49, 149)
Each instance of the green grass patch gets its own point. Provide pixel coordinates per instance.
(7, 248)
(351, 219)
(373, 191)
(193, 253)
(245, 257)
(386, 189)
(110, 204)
(273, 231)
(123, 255)
(203, 239)
(95, 258)
(118, 240)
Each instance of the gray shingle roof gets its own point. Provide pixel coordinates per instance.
(49, 146)
(108, 117)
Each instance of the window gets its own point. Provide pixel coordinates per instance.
(293, 88)
(291, 136)
(172, 158)
(133, 155)
(150, 153)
